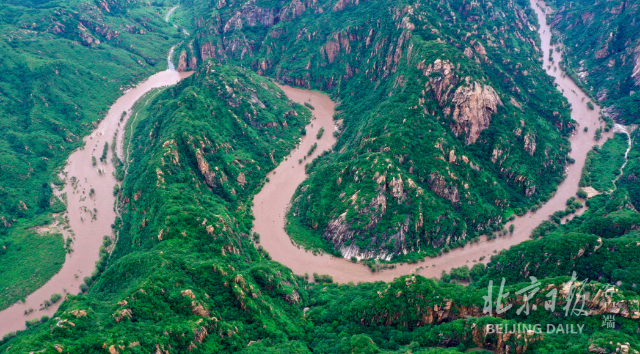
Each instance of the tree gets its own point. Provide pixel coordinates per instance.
(582, 194)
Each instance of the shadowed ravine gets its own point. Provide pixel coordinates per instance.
(271, 203)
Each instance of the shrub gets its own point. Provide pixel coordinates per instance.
(55, 298)
(322, 278)
(105, 150)
(582, 194)
(320, 132)
(8, 336)
(461, 273)
(312, 149)
(445, 278)
(477, 271)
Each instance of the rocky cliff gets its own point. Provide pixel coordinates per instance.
(474, 106)
(434, 114)
(606, 62)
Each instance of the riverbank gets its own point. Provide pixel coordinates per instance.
(271, 203)
(90, 206)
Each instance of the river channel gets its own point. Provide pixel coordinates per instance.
(271, 203)
(90, 214)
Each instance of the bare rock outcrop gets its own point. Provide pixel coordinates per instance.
(635, 75)
(474, 106)
(203, 167)
(440, 84)
(530, 143)
(441, 188)
(182, 62)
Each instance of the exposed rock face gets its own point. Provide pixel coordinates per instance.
(474, 106)
(331, 49)
(203, 166)
(182, 62)
(636, 69)
(427, 312)
(440, 187)
(440, 84)
(340, 233)
(198, 309)
(241, 179)
(200, 334)
(503, 342)
(530, 143)
(122, 314)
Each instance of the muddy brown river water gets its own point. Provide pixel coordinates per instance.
(271, 203)
(81, 207)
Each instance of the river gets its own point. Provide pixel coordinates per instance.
(271, 203)
(81, 206)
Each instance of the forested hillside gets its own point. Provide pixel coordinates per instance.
(601, 45)
(438, 100)
(186, 275)
(447, 126)
(63, 65)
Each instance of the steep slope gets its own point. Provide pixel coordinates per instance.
(185, 277)
(437, 101)
(601, 43)
(63, 64)
(198, 153)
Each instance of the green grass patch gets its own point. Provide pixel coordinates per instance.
(603, 164)
(28, 262)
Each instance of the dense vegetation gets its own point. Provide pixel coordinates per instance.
(601, 244)
(603, 163)
(601, 44)
(186, 276)
(34, 260)
(411, 171)
(63, 64)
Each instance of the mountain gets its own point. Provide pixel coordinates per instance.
(186, 275)
(601, 45)
(437, 101)
(445, 105)
(64, 64)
